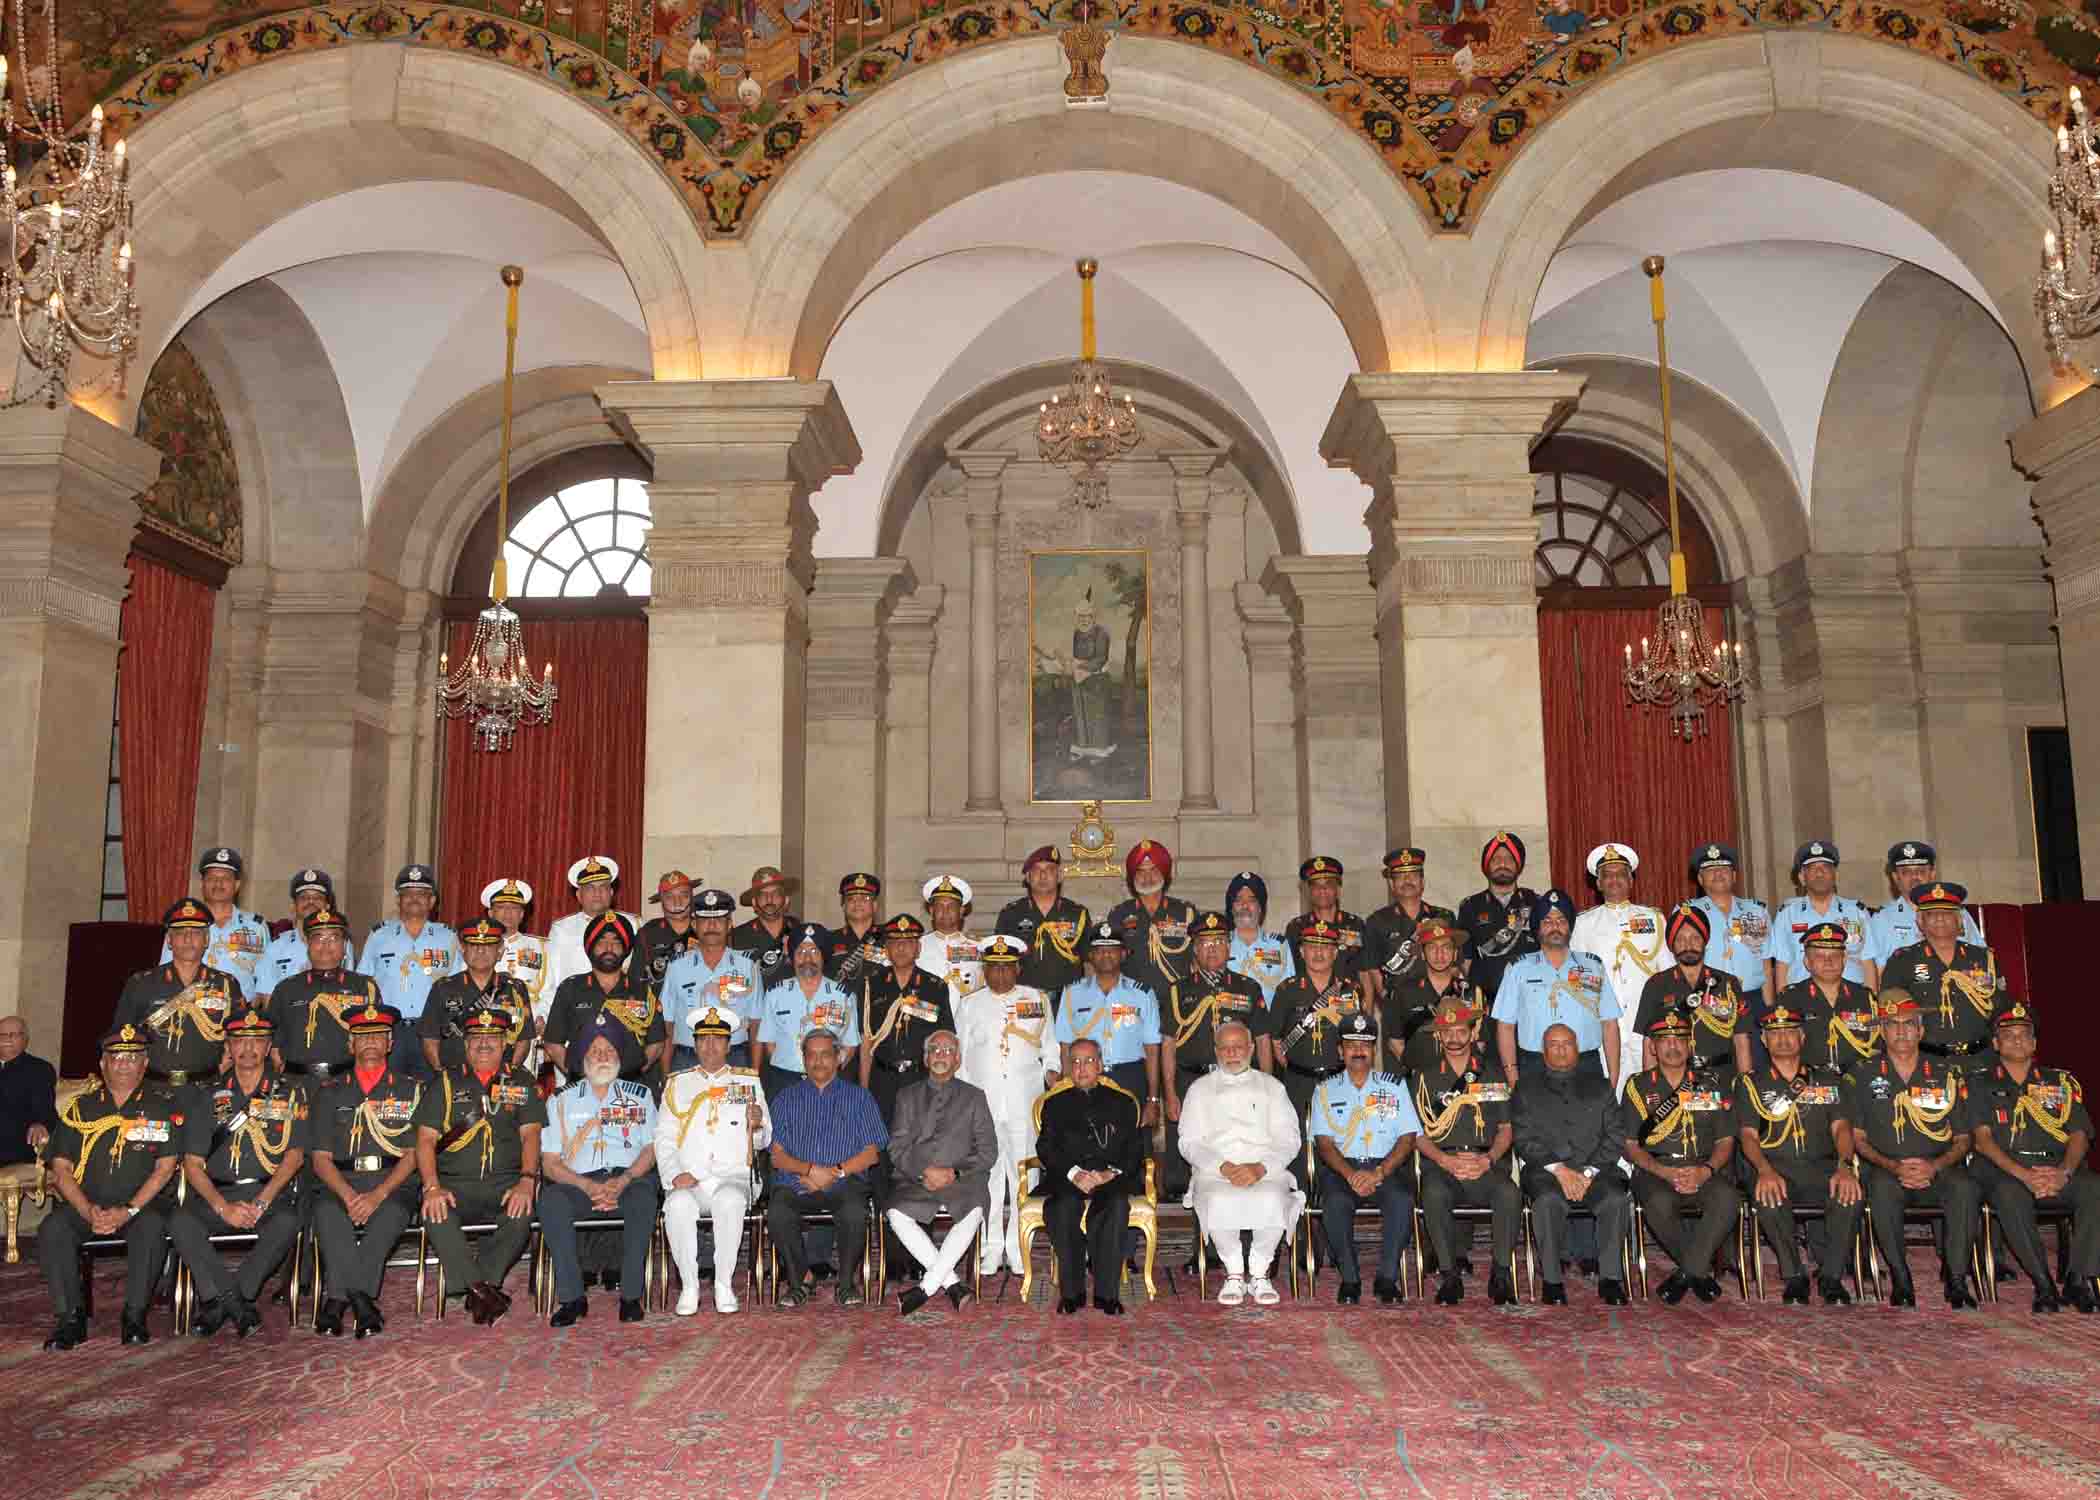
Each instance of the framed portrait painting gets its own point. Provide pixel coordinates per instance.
(1090, 671)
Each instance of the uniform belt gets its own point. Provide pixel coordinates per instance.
(176, 1075)
(890, 1067)
(240, 1182)
(1312, 1072)
(373, 1163)
(1956, 1049)
(315, 1069)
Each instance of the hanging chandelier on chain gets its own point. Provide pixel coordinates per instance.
(2067, 292)
(67, 277)
(1684, 673)
(1087, 424)
(493, 688)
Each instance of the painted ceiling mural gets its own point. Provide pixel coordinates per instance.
(198, 494)
(725, 93)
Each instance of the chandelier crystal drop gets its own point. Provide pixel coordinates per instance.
(1087, 424)
(493, 688)
(1684, 672)
(2067, 291)
(68, 274)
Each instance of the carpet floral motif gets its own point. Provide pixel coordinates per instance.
(725, 96)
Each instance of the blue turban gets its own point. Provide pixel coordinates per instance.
(1247, 880)
(1554, 900)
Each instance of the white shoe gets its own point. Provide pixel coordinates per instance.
(688, 1301)
(1233, 1292)
(725, 1299)
(1264, 1291)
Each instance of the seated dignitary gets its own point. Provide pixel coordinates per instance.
(1363, 1127)
(1679, 1123)
(1555, 986)
(2031, 1132)
(1465, 1141)
(312, 1041)
(1092, 1152)
(827, 1138)
(478, 1151)
(1240, 1136)
(28, 1096)
(1798, 1153)
(1008, 1051)
(900, 1007)
(800, 1004)
(243, 1149)
(1566, 1120)
(477, 987)
(181, 1004)
(943, 1146)
(607, 990)
(711, 975)
(713, 1118)
(1711, 999)
(1909, 1117)
(1839, 1023)
(1192, 1012)
(115, 1150)
(363, 1150)
(603, 1130)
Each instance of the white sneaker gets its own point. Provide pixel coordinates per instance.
(688, 1301)
(725, 1299)
(1264, 1291)
(1233, 1292)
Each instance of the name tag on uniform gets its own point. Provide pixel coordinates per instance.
(148, 1132)
(1821, 1093)
(1120, 1016)
(1929, 1098)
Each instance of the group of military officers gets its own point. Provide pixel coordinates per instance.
(918, 1067)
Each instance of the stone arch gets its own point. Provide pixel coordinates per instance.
(216, 167)
(1746, 492)
(1960, 159)
(442, 485)
(1192, 418)
(1176, 112)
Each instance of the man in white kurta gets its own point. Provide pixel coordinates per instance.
(713, 1118)
(1240, 1135)
(1010, 1051)
(1624, 937)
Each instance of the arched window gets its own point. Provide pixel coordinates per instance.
(1604, 522)
(582, 541)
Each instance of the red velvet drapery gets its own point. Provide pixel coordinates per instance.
(1617, 774)
(162, 678)
(562, 790)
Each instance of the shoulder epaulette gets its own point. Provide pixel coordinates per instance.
(745, 1072)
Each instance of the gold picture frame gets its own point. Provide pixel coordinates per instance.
(1089, 671)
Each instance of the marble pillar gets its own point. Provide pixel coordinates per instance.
(910, 641)
(845, 686)
(2060, 449)
(1266, 634)
(982, 482)
(1192, 482)
(1447, 459)
(69, 484)
(734, 462)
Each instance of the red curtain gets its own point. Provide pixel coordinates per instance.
(162, 678)
(1617, 774)
(562, 790)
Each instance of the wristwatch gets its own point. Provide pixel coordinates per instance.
(131, 1211)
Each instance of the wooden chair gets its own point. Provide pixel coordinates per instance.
(1028, 1209)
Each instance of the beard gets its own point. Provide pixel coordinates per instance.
(607, 963)
(809, 968)
(601, 1074)
(1148, 883)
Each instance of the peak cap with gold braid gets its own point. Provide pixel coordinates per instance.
(323, 919)
(1781, 1017)
(999, 949)
(903, 925)
(1672, 1021)
(313, 880)
(1815, 852)
(487, 1021)
(712, 1022)
(1400, 861)
(220, 858)
(1358, 1027)
(1104, 935)
(1712, 857)
(946, 885)
(860, 883)
(1940, 895)
(1612, 854)
(593, 869)
(2012, 1012)
(1320, 867)
(189, 912)
(249, 1020)
(1211, 924)
(1825, 935)
(369, 1019)
(482, 930)
(125, 1038)
(1320, 930)
(509, 888)
(416, 878)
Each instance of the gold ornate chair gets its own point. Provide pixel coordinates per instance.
(27, 1179)
(1028, 1209)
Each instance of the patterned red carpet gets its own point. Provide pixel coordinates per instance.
(1001, 1402)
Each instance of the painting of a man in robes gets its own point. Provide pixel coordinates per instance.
(1090, 652)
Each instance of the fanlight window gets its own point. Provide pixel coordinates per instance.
(581, 542)
(1596, 534)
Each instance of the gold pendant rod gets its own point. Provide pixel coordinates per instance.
(499, 584)
(1653, 265)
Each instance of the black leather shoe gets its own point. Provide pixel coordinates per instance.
(1589, 1265)
(847, 1294)
(1110, 1306)
(70, 1333)
(1611, 1293)
(610, 1280)
(590, 1279)
(1388, 1293)
(1796, 1290)
(329, 1319)
(1555, 1295)
(569, 1313)
(2079, 1294)
(247, 1317)
(2005, 1273)
(1450, 1291)
(2045, 1300)
(1502, 1289)
(369, 1318)
(1672, 1291)
(1706, 1288)
(134, 1329)
(630, 1309)
(1349, 1293)
(489, 1298)
(960, 1293)
(213, 1316)
(1066, 1306)
(1959, 1295)
(913, 1299)
(1833, 1292)
(1902, 1293)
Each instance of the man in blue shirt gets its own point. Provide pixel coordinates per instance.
(286, 955)
(599, 1158)
(1555, 987)
(1911, 864)
(804, 1002)
(827, 1138)
(1257, 953)
(235, 941)
(1816, 867)
(406, 956)
(1739, 928)
(711, 975)
(1363, 1125)
(1119, 1015)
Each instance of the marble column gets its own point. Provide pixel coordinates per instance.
(1447, 458)
(910, 640)
(983, 480)
(2060, 449)
(735, 462)
(1265, 637)
(845, 685)
(1192, 469)
(69, 484)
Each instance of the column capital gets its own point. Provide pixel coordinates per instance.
(69, 488)
(2060, 451)
(1378, 413)
(1192, 463)
(981, 463)
(847, 606)
(748, 430)
(984, 484)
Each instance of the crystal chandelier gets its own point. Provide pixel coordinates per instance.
(1685, 672)
(1086, 426)
(2067, 292)
(67, 277)
(493, 687)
